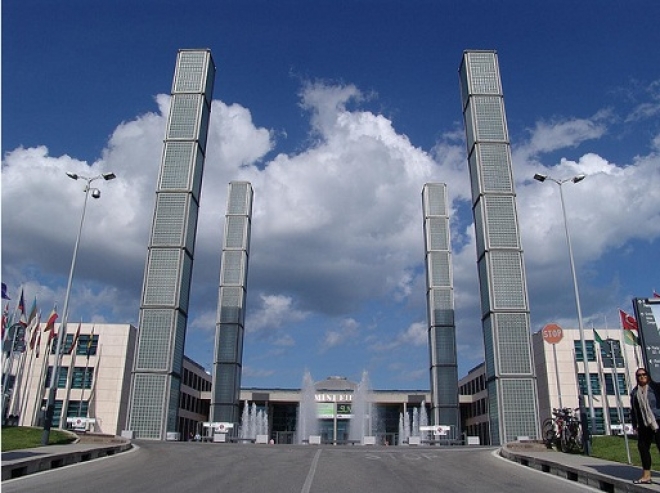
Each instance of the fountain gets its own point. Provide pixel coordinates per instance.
(308, 423)
(361, 420)
(414, 431)
(253, 422)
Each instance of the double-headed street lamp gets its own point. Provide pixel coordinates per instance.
(50, 403)
(574, 179)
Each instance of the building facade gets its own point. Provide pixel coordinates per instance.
(440, 306)
(93, 382)
(156, 381)
(229, 329)
(473, 394)
(611, 366)
(510, 374)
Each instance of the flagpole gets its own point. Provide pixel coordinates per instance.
(42, 381)
(619, 405)
(28, 381)
(88, 351)
(69, 378)
(601, 377)
(50, 405)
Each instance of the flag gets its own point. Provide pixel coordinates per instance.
(598, 339)
(50, 323)
(38, 344)
(89, 343)
(35, 331)
(4, 292)
(5, 319)
(655, 295)
(33, 311)
(75, 339)
(628, 322)
(21, 308)
(630, 338)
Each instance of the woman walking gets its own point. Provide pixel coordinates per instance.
(645, 416)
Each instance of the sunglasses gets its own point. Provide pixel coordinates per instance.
(640, 375)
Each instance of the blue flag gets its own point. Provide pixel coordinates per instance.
(4, 292)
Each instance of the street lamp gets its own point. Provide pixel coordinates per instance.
(574, 179)
(50, 403)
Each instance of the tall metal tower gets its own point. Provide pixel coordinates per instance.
(229, 329)
(156, 377)
(440, 305)
(510, 376)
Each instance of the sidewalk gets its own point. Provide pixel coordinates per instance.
(17, 463)
(601, 474)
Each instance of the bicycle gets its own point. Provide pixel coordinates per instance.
(563, 430)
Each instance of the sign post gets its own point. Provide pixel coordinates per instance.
(552, 334)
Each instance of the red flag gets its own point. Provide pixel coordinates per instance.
(628, 322)
(50, 323)
(656, 295)
(75, 339)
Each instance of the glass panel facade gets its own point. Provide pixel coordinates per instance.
(154, 345)
(501, 220)
(518, 411)
(494, 167)
(441, 306)
(176, 167)
(190, 75)
(514, 351)
(170, 219)
(506, 278)
(439, 271)
(147, 405)
(162, 277)
(185, 113)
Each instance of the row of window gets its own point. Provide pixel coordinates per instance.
(75, 409)
(87, 345)
(610, 389)
(195, 381)
(473, 386)
(610, 352)
(83, 376)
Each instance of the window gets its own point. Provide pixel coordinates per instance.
(621, 382)
(591, 350)
(595, 384)
(61, 377)
(77, 409)
(87, 345)
(610, 353)
(82, 377)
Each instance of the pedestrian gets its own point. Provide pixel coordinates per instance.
(645, 416)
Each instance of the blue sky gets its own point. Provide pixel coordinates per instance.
(338, 113)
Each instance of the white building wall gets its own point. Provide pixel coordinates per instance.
(109, 392)
(565, 389)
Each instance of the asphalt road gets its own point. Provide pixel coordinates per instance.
(205, 467)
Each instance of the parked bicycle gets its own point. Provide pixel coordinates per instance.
(563, 430)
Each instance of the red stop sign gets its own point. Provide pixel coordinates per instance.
(552, 333)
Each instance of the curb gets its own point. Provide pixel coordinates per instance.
(42, 459)
(580, 475)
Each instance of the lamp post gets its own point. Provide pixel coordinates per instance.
(575, 179)
(52, 391)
